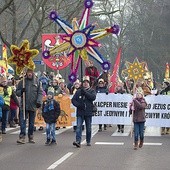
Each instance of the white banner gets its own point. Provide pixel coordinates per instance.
(114, 109)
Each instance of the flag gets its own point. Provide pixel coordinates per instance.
(115, 75)
(4, 53)
(167, 71)
(3, 67)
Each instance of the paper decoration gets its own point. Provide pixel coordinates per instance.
(23, 56)
(80, 40)
(135, 70)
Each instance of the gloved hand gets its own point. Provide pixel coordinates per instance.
(107, 93)
(23, 90)
(38, 105)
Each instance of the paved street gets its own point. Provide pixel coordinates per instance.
(110, 150)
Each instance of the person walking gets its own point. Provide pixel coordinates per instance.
(50, 113)
(92, 72)
(120, 90)
(74, 88)
(165, 91)
(7, 93)
(33, 100)
(137, 109)
(83, 100)
(101, 88)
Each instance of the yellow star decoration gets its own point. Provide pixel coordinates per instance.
(134, 70)
(22, 56)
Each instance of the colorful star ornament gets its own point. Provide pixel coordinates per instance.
(22, 56)
(80, 40)
(135, 70)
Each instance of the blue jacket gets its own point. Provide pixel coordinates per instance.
(83, 100)
(1, 105)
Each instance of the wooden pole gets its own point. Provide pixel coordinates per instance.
(23, 86)
(134, 91)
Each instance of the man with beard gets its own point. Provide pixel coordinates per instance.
(33, 100)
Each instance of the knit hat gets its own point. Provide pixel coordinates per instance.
(61, 81)
(29, 70)
(166, 82)
(77, 82)
(100, 80)
(50, 92)
(3, 78)
(86, 78)
(139, 90)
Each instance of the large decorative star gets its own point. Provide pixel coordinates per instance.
(80, 40)
(22, 56)
(135, 70)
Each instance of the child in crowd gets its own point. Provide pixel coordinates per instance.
(50, 113)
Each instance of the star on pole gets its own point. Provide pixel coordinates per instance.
(23, 56)
(80, 40)
(135, 70)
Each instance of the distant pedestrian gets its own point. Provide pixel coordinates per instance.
(165, 91)
(138, 113)
(1, 105)
(7, 93)
(101, 88)
(50, 113)
(120, 90)
(83, 100)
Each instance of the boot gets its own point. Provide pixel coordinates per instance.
(167, 131)
(136, 145)
(12, 124)
(47, 142)
(162, 131)
(21, 140)
(30, 139)
(141, 144)
(16, 121)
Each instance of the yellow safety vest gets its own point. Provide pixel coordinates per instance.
(7, 97)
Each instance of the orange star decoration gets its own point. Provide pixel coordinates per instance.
(22, 56)
(134, 70)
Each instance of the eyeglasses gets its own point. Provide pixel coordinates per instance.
(101, 83)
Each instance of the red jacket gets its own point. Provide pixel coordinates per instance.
(13, 105)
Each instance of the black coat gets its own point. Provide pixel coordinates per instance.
(83, 100)
(50, 111)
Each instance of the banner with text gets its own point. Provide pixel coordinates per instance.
(114, 109)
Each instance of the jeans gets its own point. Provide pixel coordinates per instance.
(50, 131)
(13, 114)
(31, 119)
(5, 114)
(80, 120)
(138, 131)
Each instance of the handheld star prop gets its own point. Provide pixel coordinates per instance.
(22, 56)
(80, 40)
(135, 70)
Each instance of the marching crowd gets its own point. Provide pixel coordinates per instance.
(19, 100)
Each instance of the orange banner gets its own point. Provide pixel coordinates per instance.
(65, 118)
